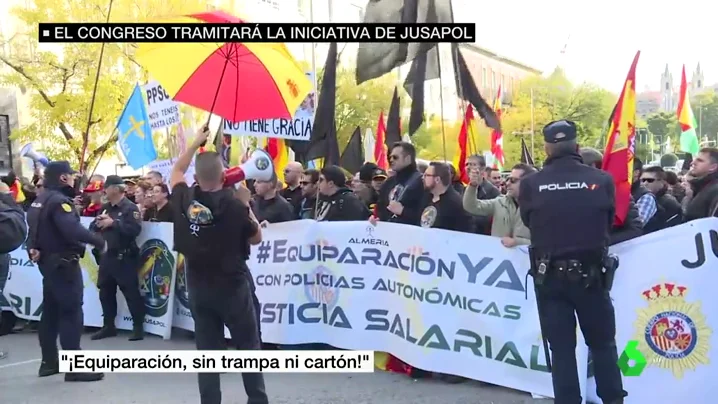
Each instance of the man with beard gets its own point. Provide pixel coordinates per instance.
(484, 191)
(309, 184)
(442, 205)
(338, 203)
(400, 198)
(701, 198)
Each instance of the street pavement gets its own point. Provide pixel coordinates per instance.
(19, 383)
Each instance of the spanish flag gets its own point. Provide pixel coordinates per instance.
(689, 139)
(620, 145)
(16, 192)
(277, 148)
(379, 147)
(468, 145)
(497, 137)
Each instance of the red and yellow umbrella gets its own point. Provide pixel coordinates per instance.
(237, 81)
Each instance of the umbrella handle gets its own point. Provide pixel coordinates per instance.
(216, 94)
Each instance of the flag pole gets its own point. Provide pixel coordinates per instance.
(86, 135)
(441, 100)
(532, 123)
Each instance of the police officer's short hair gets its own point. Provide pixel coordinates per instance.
(406, 148)
(525, 168)
(658, 171)
(591, 157)
(712, 153)
(155, 174)
(312, 174)
(208, 166)
(480, 160)
(442, 171)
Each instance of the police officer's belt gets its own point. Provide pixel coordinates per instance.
(120, 253)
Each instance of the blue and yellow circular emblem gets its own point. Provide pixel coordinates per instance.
(155, 275)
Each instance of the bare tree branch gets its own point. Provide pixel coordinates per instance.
(32, 81)
(98, 152)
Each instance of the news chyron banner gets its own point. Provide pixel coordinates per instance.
(156, 274)
(297, 128)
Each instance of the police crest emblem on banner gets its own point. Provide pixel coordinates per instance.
(672, 331)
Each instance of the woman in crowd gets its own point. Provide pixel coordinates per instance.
(143, 195)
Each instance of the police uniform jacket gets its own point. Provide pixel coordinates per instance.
(126, 226)
(54, 225)
(569, 207)
(504, 211)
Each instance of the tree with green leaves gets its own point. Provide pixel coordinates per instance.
(663, 125)
(554, 97)
(60, 78)
(705, 109)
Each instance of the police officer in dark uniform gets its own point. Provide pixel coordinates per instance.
(571, 268)
(210, 223)
(56, 242)
(119, 223)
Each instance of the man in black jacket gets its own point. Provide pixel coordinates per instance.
(400, 198)
(13, 231)
(669, 212)
(701, 198)
(338, 203)
(632, 226)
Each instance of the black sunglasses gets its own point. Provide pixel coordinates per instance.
(648, 180)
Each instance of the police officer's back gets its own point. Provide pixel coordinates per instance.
(210, 224)
(56, 242)
(120, 223)
(569, 208)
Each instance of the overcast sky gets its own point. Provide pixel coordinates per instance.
(602, 37)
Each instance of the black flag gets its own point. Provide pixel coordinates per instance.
(376, 59)
(468, 91)
(393, 121)
(353, 156)
(323, 141)
(526, 154)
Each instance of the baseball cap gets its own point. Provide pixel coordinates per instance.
(366, 172)
(57, 168)
(380, 173)
(559, 131)
(94, 186)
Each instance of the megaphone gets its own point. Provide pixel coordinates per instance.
(29, 152)
(258, 167)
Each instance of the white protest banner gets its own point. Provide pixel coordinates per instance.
(297, 128)
(163, 112)
(23, 288)
(441, 301)
(665, 298)
(164, 167)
